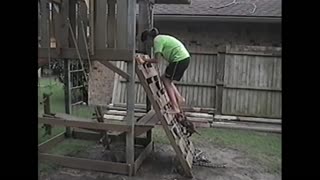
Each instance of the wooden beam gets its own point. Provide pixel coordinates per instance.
(147, 117)
(142, 107)
(115, 69)
(172, 1)
(82, 24)
(44, 35)
(84, 124)
(253, 88)
(144, 154)
(107, 54)
(187, 84)
(72, 21)
(48, 144)
(111, 23)
(67, 91)
(219, 79)
(244, 127)
(100, 24)
(91, 25)
(86, 164)
(254, 50)
(126, 23)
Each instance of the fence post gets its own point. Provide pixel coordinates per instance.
(220, 78)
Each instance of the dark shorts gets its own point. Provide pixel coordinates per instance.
(175, 70)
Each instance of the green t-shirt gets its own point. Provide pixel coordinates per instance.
(170, 48)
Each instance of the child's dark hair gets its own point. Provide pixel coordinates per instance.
(152, 33)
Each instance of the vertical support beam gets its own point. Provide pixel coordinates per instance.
(91, 25)
(126, 27)
(44, 12)
(220, 78)
(145, 22)
(46, 109)
(64, 11)
(67, 91)
(64, 43)
(111, 23)
(72, 18)
(100, 24)
(57, 24)
(82, 19)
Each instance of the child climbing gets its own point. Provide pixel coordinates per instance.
(173, 51)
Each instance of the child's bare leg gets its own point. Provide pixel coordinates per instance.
(180, 98)
(168, 85)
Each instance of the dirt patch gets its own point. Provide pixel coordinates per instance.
(161, 165)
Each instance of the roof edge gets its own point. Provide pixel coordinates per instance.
(258, 19)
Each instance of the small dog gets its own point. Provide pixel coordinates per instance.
(190, 129)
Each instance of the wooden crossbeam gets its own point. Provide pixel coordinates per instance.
(108, 54)
(87, 164)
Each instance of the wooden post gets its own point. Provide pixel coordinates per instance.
(67, 92)
(72, 18)
(91, 25)
(111, 23)
(220, 78)
(126, 27)
(100, 24)
(44, 12)
(64, 43)
(46, 109)
(145, 22)
(82, 19)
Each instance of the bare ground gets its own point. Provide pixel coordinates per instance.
(160, 165)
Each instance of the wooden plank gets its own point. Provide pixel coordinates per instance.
(67, 91)
(153, 121)
(48, 144)
(83, 124)
(188, 84)
(182, 145)
(172, 1)
(189, 159)
(144, 154)
(107, 54)
(203, 53)
(92, 19)
(44, 11)
(57, 17)
(82, 25)
(115, 69)
(86, 164)
(220, 80)
(63, 30)
(111, 24)
(254, 50)
(72, 20)
(142, 107)
(126, 23)
(243, 127)
(100, 24)
(253, 88)
(147, 117)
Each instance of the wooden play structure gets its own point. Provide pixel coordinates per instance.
(91, 33)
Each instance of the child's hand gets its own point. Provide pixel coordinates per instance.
(139, 59)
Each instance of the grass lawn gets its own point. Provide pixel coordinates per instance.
(264, 148)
